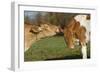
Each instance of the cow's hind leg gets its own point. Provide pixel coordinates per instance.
(84, 51)
(82, 38)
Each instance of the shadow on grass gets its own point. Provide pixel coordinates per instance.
(68, 58)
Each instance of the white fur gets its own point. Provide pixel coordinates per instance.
(83, 21)
(84, 52)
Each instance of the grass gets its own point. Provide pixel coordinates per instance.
(52, 48)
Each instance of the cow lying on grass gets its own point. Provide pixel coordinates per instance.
(36, 32)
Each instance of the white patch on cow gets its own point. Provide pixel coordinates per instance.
(87, 31)
(83, 21)
(84, 52)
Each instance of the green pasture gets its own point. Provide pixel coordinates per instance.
(53, 48)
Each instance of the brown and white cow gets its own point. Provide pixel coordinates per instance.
(78, 29)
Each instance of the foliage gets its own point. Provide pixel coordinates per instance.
(50, 18)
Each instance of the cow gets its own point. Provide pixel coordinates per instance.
(78, 28)
(34, 33)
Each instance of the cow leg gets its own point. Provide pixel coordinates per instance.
(83, 47)
(84, 51)
(69, 39)
(81, 34)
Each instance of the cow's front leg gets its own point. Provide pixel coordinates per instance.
(84, 51)
(69, 39)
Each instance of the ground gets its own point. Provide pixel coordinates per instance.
(53, 48)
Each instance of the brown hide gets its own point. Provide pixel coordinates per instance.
(74, 31)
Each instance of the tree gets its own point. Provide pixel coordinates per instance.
(26, 20)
